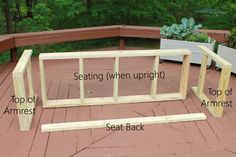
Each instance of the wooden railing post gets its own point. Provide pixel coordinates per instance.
(122, 44)
(13, 54)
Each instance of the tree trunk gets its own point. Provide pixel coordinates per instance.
(29, 8)
(8, 17)
(88, 6)
(18, 13)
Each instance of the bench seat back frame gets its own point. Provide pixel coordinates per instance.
(116, 99)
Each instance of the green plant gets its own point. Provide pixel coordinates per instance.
(200, 37)
(187, 30)
(231, 42)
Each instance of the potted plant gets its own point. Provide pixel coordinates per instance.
(185, 36)
(228, 51)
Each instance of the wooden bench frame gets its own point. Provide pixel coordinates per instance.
(19, 87)
(25, 63)
(216, 111)
(116, 98)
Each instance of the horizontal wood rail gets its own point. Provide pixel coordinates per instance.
(215, 110)
(11, 41)
(130, 121)
(24, 65)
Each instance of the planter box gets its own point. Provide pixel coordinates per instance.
(229, 54)
(180, 44)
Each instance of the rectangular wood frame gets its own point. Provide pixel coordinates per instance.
(216, 111)
(82, 101)
(24, 65)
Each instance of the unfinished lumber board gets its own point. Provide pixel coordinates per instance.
(24, 65)
(214, 56)
(154, 81)
(132, 121)
(23, 62)
(184, 75)
(116, 80)
(110, 100)
(216, 111)
(116, 98)
(111, 54)
(202, 97)
(202, 75)
(43, 82)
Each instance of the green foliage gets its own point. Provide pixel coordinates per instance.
(199, 37)
(65, 14)
(231, 42)
(187, 30)
(40, 21)
(4, 57)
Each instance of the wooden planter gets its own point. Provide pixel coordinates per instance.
(180, 44)
(229, 54)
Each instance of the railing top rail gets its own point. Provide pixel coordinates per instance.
(12, 41)
(110, 54)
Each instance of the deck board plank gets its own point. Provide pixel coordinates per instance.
(55, 138)
(39, 145)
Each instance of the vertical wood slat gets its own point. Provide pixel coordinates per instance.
(202, 75)
(223, 86)
(154, 81)
(81, 72)
(42, 82)
(116, 80)
(184, 75)
(30, 79)
(19, 87)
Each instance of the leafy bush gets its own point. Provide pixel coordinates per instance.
(231, 42)
(200, 37)
(187, 30)
(39, 22)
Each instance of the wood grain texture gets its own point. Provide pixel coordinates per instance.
(111, 54)
(24, 65)
(216, 111)
(36, 38)
(154, 81)
(116, 99)
(132, 121)
(7, 42)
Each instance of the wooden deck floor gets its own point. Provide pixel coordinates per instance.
(213, 137)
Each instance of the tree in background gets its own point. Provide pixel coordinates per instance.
(8, 17)
(32, 15)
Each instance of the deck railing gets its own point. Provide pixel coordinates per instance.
(12, 41)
